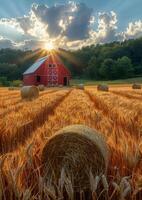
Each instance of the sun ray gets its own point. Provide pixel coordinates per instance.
(38, 53)
(68, 55)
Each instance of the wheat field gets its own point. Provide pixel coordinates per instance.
(26, 126)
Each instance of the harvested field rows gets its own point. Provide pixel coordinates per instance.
(24, 132)
(128, 94)
(119, 111)
(18, 124)
(14, 104)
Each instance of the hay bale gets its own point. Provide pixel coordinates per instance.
(20, 85)
(29, 92)
(80, 87)
(41, 87)
(103, 88)
(77, 149)
(136, 86)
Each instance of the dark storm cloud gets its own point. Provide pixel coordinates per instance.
(79, 27)
(50, 16)
(74, 17)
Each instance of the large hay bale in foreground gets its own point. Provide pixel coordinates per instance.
(29, 92)
(80, 87)
(77, 149)
(41, 87)
(136, 86)
(103, 88)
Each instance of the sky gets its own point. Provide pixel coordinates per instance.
(32, 24)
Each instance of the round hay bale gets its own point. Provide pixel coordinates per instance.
(29, 92)
(80, 87)
(20, 85)
(77, 149)
(103, 88)
(41, 87)
(136, 86)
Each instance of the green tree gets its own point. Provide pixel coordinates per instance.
(124, 67)
(92, 71)
(4, 81)
(108, 69)
(9, 70)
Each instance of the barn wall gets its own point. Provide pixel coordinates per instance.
(42, 72)
(29, 79)
(49, 75)
(64, 72)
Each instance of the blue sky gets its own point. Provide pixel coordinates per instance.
(127, 11)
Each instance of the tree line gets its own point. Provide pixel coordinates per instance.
(117, 60)
(111, 61)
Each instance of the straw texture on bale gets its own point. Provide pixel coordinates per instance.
(103, 88)
(20, 85)
(29, 92)
(41, 87)
(136, 86)
(80, 86)
(77, 149)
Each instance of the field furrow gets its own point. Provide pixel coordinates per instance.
(122, 116)
(16, 127)
(13, 105)
(8, 94)
(127, 94)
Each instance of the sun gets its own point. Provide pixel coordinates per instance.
(49, 46)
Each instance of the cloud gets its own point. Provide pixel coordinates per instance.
(6, 43)
(32, 44)
(11, 23)
(107, 26)
(71, 25)
(25, 45)
(134, 30)
(59, 23)
(25, 23)
(70, 20)
(80, 25)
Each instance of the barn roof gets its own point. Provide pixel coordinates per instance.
(36, 65)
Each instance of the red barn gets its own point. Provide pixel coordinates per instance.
(49, 71)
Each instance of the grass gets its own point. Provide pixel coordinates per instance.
(109, 82)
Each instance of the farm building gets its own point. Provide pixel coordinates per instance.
(49, 71)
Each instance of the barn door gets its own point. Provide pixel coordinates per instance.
(65, 81)
(52, 76)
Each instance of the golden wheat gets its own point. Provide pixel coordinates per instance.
(115, 114)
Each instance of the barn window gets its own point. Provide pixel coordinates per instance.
(50, 65)
(38, 78)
